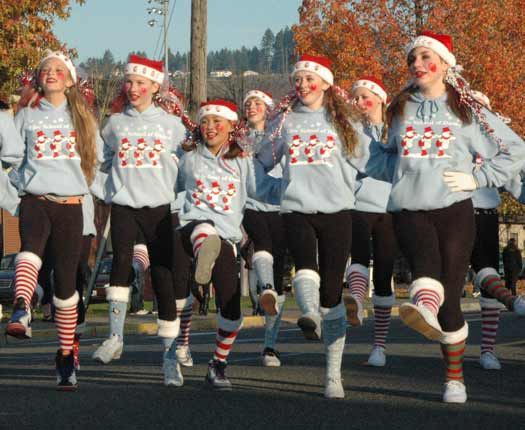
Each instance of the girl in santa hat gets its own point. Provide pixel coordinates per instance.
(316, 134)
(264, 226)
(53, 181)
(485, 262)
(431, 192)
(141, 143)
(370, 219)
(217, 176)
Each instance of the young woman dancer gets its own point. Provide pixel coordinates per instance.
(57, 163)
(317, 135)
(217, 177)
(138, 156)
(436, 128)
(264, 226)
(485, 261)
(370, 220)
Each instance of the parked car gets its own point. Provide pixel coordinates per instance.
(7, 276)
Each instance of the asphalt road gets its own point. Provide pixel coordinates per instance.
(406, 394)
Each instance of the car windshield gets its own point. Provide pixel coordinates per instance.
(8, 262)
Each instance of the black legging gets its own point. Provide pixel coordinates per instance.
(379, 227)
(438, 244)
(486, 245)
(266, 230)
(155, 224)
(225, 274)
(57, 227)
(326, 238)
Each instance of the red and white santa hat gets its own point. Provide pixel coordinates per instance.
(441, 44)
(222, 108)
(48, 54)
(316, 64)
(263, 95)
(151, 69)
(373, 85)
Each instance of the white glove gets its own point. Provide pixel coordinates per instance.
(459, 181)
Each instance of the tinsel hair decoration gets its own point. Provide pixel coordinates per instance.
(462, 87)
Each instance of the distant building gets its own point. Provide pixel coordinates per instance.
(250, 73)
(221, 74)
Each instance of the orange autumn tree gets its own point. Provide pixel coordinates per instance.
(369, 37)
(26, 30)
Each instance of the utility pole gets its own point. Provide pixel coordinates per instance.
(198, 62)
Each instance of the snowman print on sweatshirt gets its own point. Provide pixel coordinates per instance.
(52, 139)
(312, 151)
(433, 142)
(141, 147)
(216, 189)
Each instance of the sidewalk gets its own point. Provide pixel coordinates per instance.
(97, 325)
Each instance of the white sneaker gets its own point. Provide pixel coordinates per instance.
(519, 306)
(333, 388)
(489, 361)
(172, 372)
(141, 312)
(422, 320)
(377, 357)
(184, 356)
(354, 311)
(268, 301)
(455, 392)
(270, 358)
(111, 349)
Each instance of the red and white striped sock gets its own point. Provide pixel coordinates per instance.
(199, 235)
(427, 292)
(66, 314)
(141, 257)
(184, 313)
(358, 281)
(227, 332)
(27, 266)
(490, 311)
(381, 324)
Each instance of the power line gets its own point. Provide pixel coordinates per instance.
(169, 23)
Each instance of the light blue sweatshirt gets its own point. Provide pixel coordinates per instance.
(371, 195)
(88, 216)
(318, 177)
(217, 189)
(429, 140)
(486, 198)
(276, 172)
(48, 161)
(9, 138)
(141, 156)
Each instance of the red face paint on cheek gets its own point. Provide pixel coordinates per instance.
(220, 128)
(203, 129)
(143, 91)
(297, 88)
(61, 76)
(313, 87)
(432, 67)
(259, 109)
(369, 103)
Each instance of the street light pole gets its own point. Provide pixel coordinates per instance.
(165, 8)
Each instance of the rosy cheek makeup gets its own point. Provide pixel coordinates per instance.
(432, 67)
(61, 76)
(369, 103)
(259, 109)
(203, 129)
(313, 87)
(219, 128)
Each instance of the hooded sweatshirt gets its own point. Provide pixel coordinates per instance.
(429, 140)
(141, 156)
(48, 160)
(318, 177)
(216, 189)
(9, 139)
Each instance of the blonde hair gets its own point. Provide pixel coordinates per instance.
(341, 113)
(86, 129)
